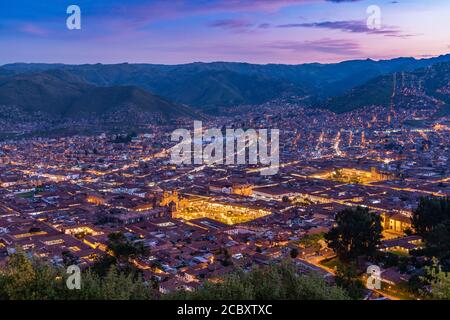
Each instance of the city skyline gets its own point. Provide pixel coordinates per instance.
(287, 32)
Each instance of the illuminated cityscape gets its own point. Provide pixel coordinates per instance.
(87, 176)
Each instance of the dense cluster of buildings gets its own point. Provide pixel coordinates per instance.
(60, 198)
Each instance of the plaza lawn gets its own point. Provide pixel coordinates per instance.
(400, 253)
(330, 263)
(27, 195)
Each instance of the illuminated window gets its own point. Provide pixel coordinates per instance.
(54, 242)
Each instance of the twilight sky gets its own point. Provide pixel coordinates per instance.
(257, 31)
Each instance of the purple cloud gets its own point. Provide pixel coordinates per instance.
(34, 30)
(264, 25)
(333, 46)
(163, 9)
(232, 24)
(354, 26)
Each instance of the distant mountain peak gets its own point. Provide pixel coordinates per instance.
(213, 85)
(59, 93)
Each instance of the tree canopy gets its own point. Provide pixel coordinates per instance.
(431, 219)
(121, 251)
(29, 278)
(357, 233)
(274, 282)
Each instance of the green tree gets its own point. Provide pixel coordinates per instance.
(357, 233)
(227, 258)
(102, 264)
(114, 286)
(347, 277)
(431, 219)
(294, 253)
(430, 213)
(121, 251)
(28, 278)
(439, 283)
(274, 282)
(312, 240)
(122, 248)
(69, 258)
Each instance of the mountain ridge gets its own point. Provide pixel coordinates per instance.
(58, 93)
(208, 86)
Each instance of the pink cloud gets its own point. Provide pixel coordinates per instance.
(34, 30)
(327, 46)
(163, 9)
